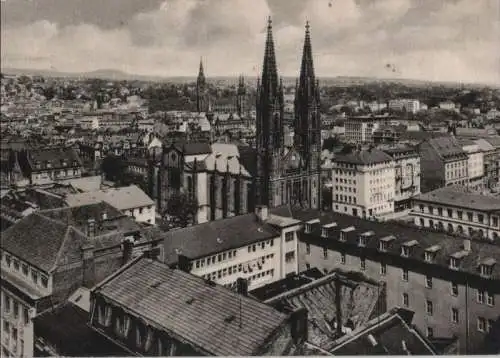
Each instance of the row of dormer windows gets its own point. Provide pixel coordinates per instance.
(20, 267)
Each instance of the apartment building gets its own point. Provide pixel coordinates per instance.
(491, 152)
(363, 183)
(130, 200)
(443, 162)
(452, 285)
(475, 164)
(407, 175)
(458, 211)
(257, 247)
(47, 255)
(45, 166)
(408, 105)
(360, 129)
(148, 308)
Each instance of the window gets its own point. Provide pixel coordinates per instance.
(6, 303)
(440, 211)
(494, 221)
(7, 260)
(383, 268)
(490, 299)
(480, 218)
(25, 269)
(15, 264)
(489, 324)
(405, 275)
(430, 332)
(342, 259)
(481, 324)
(454, 315)
(34, 275)
(460, 215)
(405, 251)
(325, 253)
(16, 309)
(469, 216)
(454, 289)
(406, 300)
(308, 249)
(450, 213)
(429, 307)
(428, 282)
(480, 296)
(26, 315)
(453, 263)
(486, 270)
(289, 236)
(363, 264)
(290, 256)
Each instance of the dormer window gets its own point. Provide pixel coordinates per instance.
(456, 258)
(49, 164)
(326, 229)
(363, 238)
(344, 233)
(385, 242)
(310, 225)
(454, 262)
(406, 249)
(430, 253)
(486, 267)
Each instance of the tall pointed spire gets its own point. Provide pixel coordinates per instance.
(307, 67)
(201, 73)
(269, 69)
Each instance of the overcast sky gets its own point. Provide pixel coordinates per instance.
(442, 40)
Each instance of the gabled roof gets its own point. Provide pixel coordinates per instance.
(193, 148)
(48, 237)
(447, 147)
(54, 156)
(390, 334)
(216, 236)
(205, 315)
(123, 198)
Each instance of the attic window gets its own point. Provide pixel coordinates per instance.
(310, 225)
(430, 253)
(407, 247)
(344, 232)
(385, 242)
(486, 267)
(363, 238)
(454, 262)
(326, 229)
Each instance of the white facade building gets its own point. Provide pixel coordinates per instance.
(363, 183)
(410, 105)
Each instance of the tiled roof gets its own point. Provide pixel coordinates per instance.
(389, 334)
(194, 148)
(216, 236)
(358, 302)
(66, 329)
(55, 157)
(480, 250)
(123, 198)
(364, 157)
(454, 196)
(205, 315)
(48, 237)
(447, 147)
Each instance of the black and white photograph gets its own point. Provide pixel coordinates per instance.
(249, 178)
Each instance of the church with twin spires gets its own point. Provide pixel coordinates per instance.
(288, 175)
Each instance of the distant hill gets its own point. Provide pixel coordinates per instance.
(117, 75)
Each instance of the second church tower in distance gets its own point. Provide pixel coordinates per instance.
(288, 175)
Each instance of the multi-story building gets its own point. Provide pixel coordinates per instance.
(491, 152)
(130, 200)
(458, 211)
(407, 175)
(257, 246)
(363, 183)
(361, 129)
(46, 166)
(475, 164)
(148, 308)
(452, 285)
(47, 255)
(408, 105)
(443, 162)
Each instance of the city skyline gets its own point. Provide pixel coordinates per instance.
(449, 40)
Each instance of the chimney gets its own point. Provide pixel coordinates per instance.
(242, 286)
(262, 212)
(372, 340)
(183, 263)
(338, 305)
(91, 227)
(299, 325)
(153, 253)
(127, 246)
(88, 265)
(467, 246)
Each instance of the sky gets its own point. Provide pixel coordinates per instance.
(436, 40)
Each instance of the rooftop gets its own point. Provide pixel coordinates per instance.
(402, 233)
(216, 236)
(205, 315)
(460, 197)
(390, 334)
(123, 198)
(64, 233)
(364, 157)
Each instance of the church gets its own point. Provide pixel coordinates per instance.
(227, 179)
(288, 175)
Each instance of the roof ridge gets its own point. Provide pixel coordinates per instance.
(59, 251)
